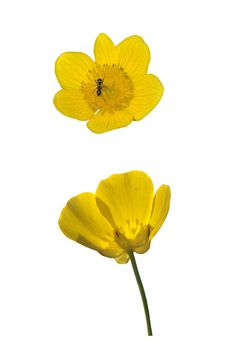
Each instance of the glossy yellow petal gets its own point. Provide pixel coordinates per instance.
(123, 258)
(72, 104)
(148, 91)
(72, 68)
(105, 51)
(106, 121)
(161, 204)
(134, 56)
(126, 201)
(82, 222)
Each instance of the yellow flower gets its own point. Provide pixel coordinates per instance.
(123, 215)
(112, 91)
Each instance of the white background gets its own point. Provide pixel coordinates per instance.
(56, 294)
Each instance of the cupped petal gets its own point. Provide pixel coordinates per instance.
(72, 68)
(126, 201)
(148, 91)
(81, 221)
(161, 204)
(72, 104)
(105, 51)
(106, 121)
(134, 55)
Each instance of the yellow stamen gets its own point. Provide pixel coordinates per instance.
(112, 92)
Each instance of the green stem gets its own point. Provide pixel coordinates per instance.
(142, 291)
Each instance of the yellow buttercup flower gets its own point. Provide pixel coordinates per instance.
(111, 91)
(122, 216)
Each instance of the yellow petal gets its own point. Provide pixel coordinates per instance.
(148, 91)
(161, 204)
(123, 258)
(143, 249)
(105, 51)
(72, 104)
(126, 201)
(82, 222)
(134, 55)
(72, 68)
(106, 121)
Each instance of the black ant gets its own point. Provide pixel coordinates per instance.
(99, 87)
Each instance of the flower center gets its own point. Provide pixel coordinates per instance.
(108, 88)
(132, 237)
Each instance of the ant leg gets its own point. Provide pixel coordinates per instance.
(103, 98)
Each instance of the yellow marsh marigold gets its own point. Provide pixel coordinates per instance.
(112, 91)
(121, 217)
